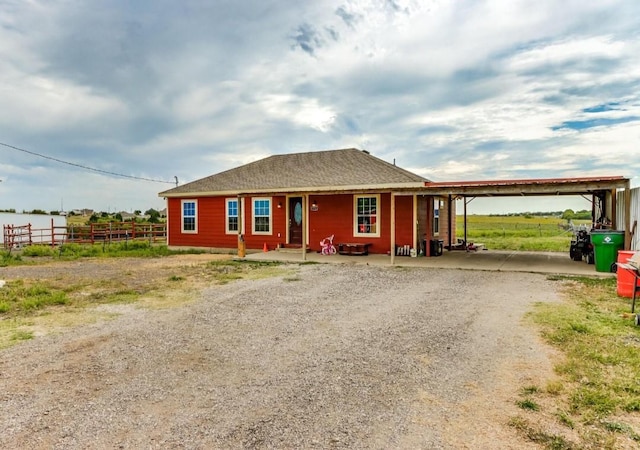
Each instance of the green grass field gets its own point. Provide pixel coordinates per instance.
(521, 233)
(593, 401)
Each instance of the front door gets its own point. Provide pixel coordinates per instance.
(295, 220)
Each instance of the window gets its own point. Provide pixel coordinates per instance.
(261, 216)
(367, 215)
(232, 215)
(436, 217)
(189, 212)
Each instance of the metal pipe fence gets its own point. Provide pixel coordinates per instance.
(17, 236)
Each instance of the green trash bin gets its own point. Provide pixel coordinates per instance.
(606, 244)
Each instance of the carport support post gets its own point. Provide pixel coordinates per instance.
(614, 212)
(465, 223)
(627, 216)
(393, 229)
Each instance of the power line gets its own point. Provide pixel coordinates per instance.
(93, 169)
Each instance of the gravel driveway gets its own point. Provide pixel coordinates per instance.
(338, 356)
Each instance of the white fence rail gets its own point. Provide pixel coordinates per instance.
(635, 215)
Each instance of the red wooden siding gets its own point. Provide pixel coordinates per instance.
(444, 221)
(334, 215)
(210, 216)
(404, 220)
(278, 224)
(211, 224)
(424, 224)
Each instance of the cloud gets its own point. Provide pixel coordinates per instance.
(452, 90)
(304, 112)
(307, 38)
(350, 19)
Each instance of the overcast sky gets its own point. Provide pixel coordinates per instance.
(452, 90)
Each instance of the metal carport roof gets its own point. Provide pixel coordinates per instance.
(541, 186)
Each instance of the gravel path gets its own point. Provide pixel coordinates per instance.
(342, 356)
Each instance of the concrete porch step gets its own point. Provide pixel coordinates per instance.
(289, 248)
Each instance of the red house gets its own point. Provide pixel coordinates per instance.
(296, 199)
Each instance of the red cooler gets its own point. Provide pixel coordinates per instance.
(625, 277)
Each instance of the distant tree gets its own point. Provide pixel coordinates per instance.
(582, 215)
(104, 214)
(54, 213)
(137, 212)
(93, 218)
(568, 214)
(154, 216)
(37, 211)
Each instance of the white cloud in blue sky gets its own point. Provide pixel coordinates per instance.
(452, 90)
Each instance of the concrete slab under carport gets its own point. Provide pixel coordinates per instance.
(489, 260)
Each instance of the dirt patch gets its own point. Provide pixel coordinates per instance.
(327, 356)
(131, 272)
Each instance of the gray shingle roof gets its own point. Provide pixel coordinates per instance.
(318, 171)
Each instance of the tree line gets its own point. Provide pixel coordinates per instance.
(567, 214)
(151, 215)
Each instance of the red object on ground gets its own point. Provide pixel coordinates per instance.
(625, 277)
(265, 248)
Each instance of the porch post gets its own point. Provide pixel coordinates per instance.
(429, 225)
(393, 229)
(305, 221)
(242, 246)
(167, 222)
(416, 241)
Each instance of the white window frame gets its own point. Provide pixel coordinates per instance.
(195, 216)
(356, 229)
(227, 216)
(253, 216)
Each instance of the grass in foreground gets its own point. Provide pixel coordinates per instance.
(139, 249)
(597, 396)
(28, 306)
(517, 233)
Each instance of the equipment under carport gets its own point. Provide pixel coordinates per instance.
(581, 247)
(436, 247)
